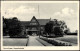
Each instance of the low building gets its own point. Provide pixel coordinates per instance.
(35, 26)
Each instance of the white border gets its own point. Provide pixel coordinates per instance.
(41, 47)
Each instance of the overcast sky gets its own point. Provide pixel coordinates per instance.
(25, 11)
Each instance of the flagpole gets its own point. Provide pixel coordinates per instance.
(38, 11)
(39, 25)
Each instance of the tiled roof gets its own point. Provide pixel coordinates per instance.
(25, 23)
(43, 21)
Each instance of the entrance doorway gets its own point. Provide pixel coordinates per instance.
(33, 33)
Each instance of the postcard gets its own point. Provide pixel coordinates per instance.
(40, 25)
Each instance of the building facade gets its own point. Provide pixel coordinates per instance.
(35, 26)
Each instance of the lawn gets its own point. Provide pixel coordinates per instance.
(14, 41)
(68, 38)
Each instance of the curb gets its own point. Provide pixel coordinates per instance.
(27, 42)
(43, 42)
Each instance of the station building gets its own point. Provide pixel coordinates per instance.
(35, 26)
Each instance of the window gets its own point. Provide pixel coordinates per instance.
(33, 23)
(33, 20)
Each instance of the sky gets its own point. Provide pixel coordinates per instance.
(25, 11)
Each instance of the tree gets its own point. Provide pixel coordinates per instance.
(14, 27)
(58, 31)
(76, 31)
(67, 31)
(56, 27)
(5, 26)
(49, 27)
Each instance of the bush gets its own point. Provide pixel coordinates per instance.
(56, 43)
(71, 33)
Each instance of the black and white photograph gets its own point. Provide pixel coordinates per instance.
(40, 24)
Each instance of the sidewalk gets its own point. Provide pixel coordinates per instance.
(33, 41)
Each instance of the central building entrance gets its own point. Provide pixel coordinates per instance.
(34, 33)
(33, 27)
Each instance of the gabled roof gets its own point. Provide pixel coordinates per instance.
(34, 20)
(43, 21)
(40, 21)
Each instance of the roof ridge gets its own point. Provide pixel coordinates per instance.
(24, 21)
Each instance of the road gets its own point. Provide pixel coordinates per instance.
(33, 42)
